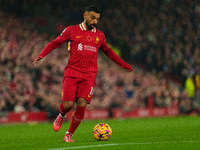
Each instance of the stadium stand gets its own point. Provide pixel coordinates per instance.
(160, 38)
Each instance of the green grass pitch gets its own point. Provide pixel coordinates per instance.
(169, 133)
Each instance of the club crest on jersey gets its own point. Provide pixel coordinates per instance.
(97, 40)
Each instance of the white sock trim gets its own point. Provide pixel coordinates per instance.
(68, 133)
(62, 116)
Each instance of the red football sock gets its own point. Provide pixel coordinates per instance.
(76, 119)
(62, 110)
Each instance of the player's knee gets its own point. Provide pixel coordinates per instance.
(68, 105)
(82, 102)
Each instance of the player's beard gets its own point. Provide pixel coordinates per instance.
(91, 26)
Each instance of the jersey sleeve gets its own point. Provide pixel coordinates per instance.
(63, 37)
(113, 56)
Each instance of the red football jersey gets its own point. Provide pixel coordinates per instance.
(83, 47)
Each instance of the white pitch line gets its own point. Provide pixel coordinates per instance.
(114, 144)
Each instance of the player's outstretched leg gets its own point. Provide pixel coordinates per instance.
(76, 120)
(58, 122)
(68, 137)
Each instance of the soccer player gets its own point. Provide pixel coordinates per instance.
(83, 41)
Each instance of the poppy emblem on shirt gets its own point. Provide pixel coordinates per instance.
(89, 38)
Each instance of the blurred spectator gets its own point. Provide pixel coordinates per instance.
(190, 87)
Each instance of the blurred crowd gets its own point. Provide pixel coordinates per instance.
(159, 38)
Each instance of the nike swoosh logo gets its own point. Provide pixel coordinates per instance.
(78, 37)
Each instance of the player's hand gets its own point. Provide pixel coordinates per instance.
(36, 61)
(129, 68)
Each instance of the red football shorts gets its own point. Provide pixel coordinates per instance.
(75, 87)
